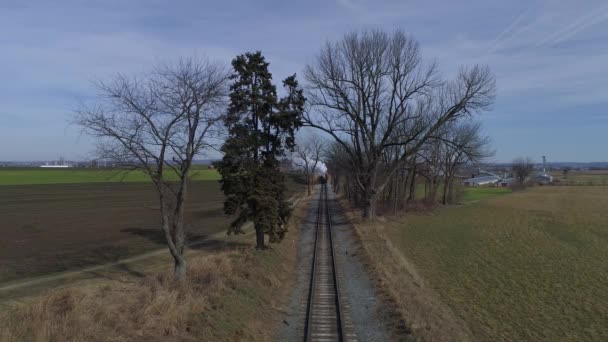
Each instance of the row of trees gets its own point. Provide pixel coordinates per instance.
(435, 167)
(390, 116)
(308, 158)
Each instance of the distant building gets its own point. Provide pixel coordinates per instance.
(481, 181)
(543, 177)
(506, 182)
(61, 164)
(55, 166)
(483, 178)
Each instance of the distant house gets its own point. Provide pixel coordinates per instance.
(507, 182)
(482, 179)
(542, 178)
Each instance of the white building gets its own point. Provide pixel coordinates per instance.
(55, 166)
(543, 177)
(61, 164)
(484, 178)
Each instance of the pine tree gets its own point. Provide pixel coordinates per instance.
(261, 128)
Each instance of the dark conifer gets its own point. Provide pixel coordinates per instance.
(260, 129)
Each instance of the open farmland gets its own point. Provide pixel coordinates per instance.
(527, 266)
(590, 177)
(22, 176)
(227, 296)
(468, 194)
(58, 227)
(475, 194)
(51, 228)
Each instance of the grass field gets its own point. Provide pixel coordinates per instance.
(23, 176)
(598, 177)
(530, 266)
(469, 194)
(480, 193)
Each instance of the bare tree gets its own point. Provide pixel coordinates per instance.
(565, 171)
(431, 154)
(371, 91)
(463, 143)
(157, 124)
(338, 167)
(522, 168)
(307, 155)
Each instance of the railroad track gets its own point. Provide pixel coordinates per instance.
(325, 313)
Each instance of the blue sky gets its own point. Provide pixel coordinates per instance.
(550, 59)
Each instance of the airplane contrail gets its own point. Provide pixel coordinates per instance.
(594, 17)
(598, 19)
(579, 24)
(508, 33)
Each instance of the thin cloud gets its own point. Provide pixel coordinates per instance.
(533, 28)
(54, 51)
(377, 12)
(509, 33)
(349, 4)
(593, 17)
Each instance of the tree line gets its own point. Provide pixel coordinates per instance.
(393, 117)
(385, 118)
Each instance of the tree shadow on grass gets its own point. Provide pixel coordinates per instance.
(195, 241)
(207, 213)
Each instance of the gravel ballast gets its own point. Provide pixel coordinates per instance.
(361, 303)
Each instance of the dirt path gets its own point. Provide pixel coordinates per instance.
(132, 267)
(215, 241)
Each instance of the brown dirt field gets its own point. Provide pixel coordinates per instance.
(54, 228)
(236, 294)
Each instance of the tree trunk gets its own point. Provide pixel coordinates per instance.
(446, 189)
(259, 238)
(395, 194)
(412, 194)
(179, 235)
(335, 182)
(176, 248)
(309, 184)
(180, 267)
(371, 198)
(175, 237)
(348, 188)
(434, 188)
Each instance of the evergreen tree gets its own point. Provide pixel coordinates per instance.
(261, 128)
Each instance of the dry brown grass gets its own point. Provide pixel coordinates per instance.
(425, 316)
(229, 295)
(529, 266)
(152, 308)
